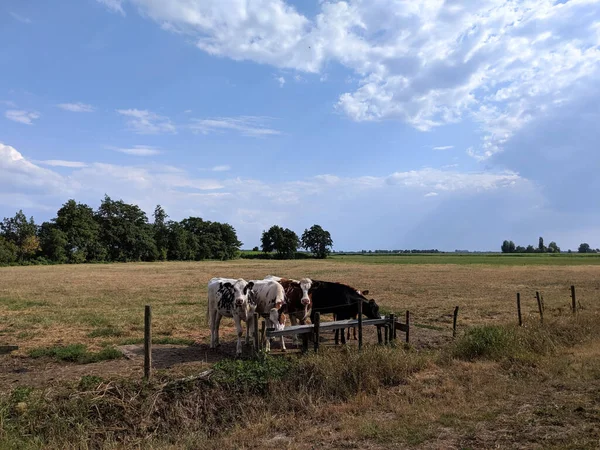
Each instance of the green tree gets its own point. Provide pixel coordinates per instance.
(541, 246)
(508, 247)
(125, 231)
(82, 230)
(54, 242)
(584, 248)
(553, 248)
(8, 251)
(281, 240)
(22, 233)
(520, 249)
(317, 240)
(161, 232)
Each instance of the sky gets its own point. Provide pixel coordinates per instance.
(393, 124)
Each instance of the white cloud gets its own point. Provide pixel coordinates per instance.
(113, 5)
(137, 150)
(281, 81)
(431, 194)
(444, 147)
(76, 107)
(21, 116)
(61, 163)
(245, 125)
(500, 63)
(223, 168)
(20, 18)
(147, 122)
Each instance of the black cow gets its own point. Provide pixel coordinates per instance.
(341, 300)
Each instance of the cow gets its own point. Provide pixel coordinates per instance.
(297, 299)
(366, 292)
(228, 297)
(341, 300)
(268, 297)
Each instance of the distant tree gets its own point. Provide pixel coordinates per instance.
(508, 247)
(584, 248)
(317, 240)
(520, 249)
(8, 251)
(255, 249)
(53, 243)
(125, 231)
(82, 232)
(283, 241)
(22, 233)
(553, 248)
(161, 232)
(541, 246)
(530, 249)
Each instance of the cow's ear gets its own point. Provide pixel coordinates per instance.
(227, 285)
(365, 292)
(372, 301)
(249, 286)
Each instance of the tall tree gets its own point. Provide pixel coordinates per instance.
(161, 232)
(281, 240)
(508, 247)
(8, 251)
(317, 240)
(54, 242)
(125, 232)
(77, 222)
(584, 248)
(22, 233)
(553, 248)
(541, 246)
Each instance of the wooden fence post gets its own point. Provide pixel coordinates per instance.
(360, 335)
(519, 309)
(147, 342)
(317, 330)
(255, 332)
(379, 335)
(408, 327)
(573, 300)
(263, 334)
(540, 308)
(393, 327)
(454, 322)
(386, 333)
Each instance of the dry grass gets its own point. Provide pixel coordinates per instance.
(103, 304)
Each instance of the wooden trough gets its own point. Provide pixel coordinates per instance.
(389, 324)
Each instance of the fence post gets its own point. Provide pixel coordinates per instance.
(263, 334)
(317, 330)
(573, 300)
(393, 327)
(519, 309)
(147, 342)
(454, 322)
(408, 327)
(360, 305)
(379, 335)
(386, 333)
(336, 332)
(540, 308)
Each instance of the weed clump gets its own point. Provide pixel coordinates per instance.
(77, 353)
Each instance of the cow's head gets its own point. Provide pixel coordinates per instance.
(241, 289)
(277, 318)
(371, 309)
(305, 285)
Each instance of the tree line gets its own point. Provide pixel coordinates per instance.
(510, 247)
(115, 232)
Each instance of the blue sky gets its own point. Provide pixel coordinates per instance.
(393, 124)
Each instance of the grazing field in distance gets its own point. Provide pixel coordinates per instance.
(100, 304)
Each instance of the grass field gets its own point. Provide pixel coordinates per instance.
(533, 387)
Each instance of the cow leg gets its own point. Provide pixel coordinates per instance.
(343, 333)
(217, 324)
(240, 333)
(215, 320)
(293, 320)
(283, 344)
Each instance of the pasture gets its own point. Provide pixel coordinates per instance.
(432, 401)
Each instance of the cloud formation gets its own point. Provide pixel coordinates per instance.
(138, 150)
(22, 116)
(245, 125)
(142, 121)
(76, 107)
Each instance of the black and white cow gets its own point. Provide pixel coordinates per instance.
(228, 297)
(297, 299)
(341, 300)
(267, 297)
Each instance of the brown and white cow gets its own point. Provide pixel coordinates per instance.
(297, 299)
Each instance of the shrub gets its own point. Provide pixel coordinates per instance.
(76, 353)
